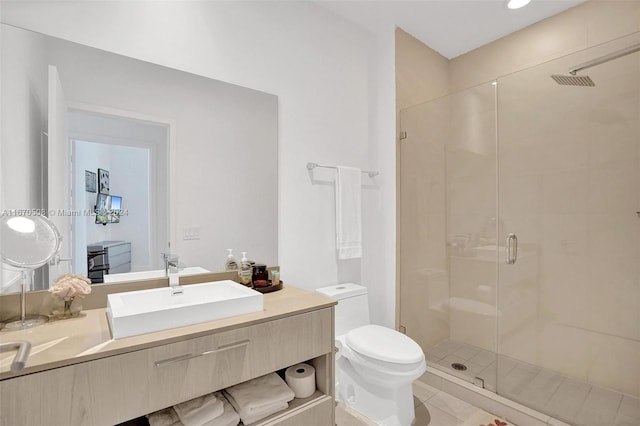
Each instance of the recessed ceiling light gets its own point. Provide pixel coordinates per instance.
(517, 4)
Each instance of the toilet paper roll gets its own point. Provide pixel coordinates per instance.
(301, 378)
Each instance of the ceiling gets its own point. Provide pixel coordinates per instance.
(450, 27)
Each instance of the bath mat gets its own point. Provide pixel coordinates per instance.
(482, 418)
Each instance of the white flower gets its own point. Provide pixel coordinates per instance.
(69, 286)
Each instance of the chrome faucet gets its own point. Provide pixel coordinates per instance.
(23, 348)
(171, 270)
(169, 260)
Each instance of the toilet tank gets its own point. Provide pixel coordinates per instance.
(352, 310)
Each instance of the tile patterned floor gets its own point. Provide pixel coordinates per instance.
(433, 408)
(544, 390)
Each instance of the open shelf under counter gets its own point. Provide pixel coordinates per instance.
(115, 385)
(315, 410)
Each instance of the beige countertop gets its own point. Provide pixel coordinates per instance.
(60, 343)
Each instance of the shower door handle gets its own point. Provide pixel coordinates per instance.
(512, 249)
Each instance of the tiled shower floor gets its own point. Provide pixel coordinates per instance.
(544, 390)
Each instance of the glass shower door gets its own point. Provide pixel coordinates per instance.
(447, 232)
(569, 193)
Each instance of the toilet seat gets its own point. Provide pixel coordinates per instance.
(384, 344)
(381, 355)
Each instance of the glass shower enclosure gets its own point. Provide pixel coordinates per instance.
(520, 236)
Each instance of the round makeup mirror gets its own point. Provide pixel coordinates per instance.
(27, 243)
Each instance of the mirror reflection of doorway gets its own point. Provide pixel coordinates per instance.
(135, 154)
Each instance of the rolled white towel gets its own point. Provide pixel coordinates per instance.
(165, 417)
(256, 415)
(264, 391)
(198, 411)
(228, 418)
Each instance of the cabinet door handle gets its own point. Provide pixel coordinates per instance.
(185, 357)
(512, 249)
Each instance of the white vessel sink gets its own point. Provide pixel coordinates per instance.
(145, 275)
(145, 311)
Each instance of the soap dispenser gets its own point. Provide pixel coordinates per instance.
(245, 271)
(231, 263)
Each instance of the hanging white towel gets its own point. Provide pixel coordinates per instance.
(349, 213)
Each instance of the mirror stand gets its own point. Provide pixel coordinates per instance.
(25, 321)
(28, 243)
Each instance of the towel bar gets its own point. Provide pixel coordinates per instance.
(311, 166)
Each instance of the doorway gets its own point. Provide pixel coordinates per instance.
(132, 154)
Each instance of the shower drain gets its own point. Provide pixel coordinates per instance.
(458, 366)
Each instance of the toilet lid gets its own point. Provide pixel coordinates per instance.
(384, 344)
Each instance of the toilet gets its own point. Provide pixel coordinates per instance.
(375, 366)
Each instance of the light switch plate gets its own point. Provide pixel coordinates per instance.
(191, 234)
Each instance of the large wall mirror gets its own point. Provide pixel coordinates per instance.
(131, 160)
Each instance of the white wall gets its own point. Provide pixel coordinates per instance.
(21, 126)
(335, 88)
(129, 178)
(23, 119)
(379, 264)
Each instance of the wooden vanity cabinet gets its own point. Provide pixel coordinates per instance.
(117, 388)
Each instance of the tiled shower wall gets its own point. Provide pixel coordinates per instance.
(572, 304)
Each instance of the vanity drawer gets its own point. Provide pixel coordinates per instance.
(217, 361)
(118, 388)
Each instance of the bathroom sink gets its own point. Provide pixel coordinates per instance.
(145, 311)
(144, 275)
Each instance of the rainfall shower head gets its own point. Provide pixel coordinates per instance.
(585, 81)
(573, 80)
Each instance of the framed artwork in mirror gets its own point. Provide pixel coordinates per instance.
(90, 181)
(103, 181)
